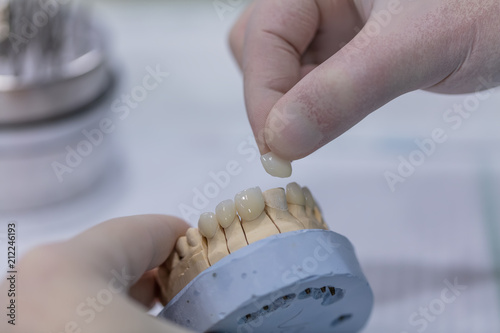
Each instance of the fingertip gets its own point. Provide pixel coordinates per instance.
(290, 133)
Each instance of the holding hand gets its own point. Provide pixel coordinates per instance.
(313, 69)
(101, 281)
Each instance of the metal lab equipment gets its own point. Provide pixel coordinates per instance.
(54, 87)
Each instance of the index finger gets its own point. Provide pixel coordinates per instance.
(277, 35)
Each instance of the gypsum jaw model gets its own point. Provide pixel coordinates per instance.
(260, 225)
(260, 215)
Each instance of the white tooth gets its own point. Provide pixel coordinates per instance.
(294, 194)
(225, 212)
(208, 225)
(255, 222)
(249, 203)
(226, 215)
(276, 166)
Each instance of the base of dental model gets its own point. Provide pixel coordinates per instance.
(263, 263)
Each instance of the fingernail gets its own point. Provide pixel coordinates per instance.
(290, 133)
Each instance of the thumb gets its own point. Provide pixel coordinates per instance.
(378, 65)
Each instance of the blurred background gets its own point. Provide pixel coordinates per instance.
(167, 117)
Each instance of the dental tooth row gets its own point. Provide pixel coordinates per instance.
(252, 216)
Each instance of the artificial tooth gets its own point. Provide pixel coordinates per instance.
(208, 225)
(255, 222)
(225, 213)
(216, 240)
(249, 203)
(295, 195)
(277, 210)
(276, 166)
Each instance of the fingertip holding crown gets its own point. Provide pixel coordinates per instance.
(293, 132)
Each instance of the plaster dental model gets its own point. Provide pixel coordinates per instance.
(265, 262)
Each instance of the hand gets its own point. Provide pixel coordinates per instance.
(313, 69)
(103, 280)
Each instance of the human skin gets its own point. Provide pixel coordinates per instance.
(314, 68)
(55, 280)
